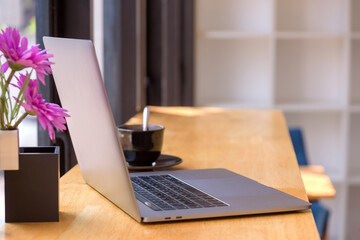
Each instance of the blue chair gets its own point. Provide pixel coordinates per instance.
(320, 213)
(298, 143)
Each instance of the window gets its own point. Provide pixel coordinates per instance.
(20, 14)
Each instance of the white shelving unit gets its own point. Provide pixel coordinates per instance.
(237, 65)
(309, 71)
(311, 15)
(299, 56)
(353, 147)
(355, 72)
(352, 228)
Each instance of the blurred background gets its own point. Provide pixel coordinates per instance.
(300, 56)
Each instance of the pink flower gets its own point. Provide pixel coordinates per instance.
(49, 114)
(4, 66)
(19, 56)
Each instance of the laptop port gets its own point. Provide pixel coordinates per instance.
(167, 218)
(179, 217)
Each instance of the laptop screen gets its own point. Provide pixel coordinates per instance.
(91, 125)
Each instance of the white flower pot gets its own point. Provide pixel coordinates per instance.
(9, 149)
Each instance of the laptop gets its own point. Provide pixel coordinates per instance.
(145, 196)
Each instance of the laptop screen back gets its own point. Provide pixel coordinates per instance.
(91, 125)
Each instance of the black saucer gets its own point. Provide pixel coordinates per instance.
(164, 161)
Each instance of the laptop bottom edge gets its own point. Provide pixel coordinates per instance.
(224, 214)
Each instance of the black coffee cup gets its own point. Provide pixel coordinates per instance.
(141, 147)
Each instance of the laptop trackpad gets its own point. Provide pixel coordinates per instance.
(223, 182)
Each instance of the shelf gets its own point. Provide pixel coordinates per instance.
(310, 71)
(355, 73)
(228, 34)
(355, 181)
(240, 15)
(355, 35)
(354, 150)
(233, 35)
(355, 108)
(309, 35)
(239, 105)
(355, 16)
(352, 221)
(310, 15)
(322, 135)
(242, 76)
(324, 107)
(336, 207)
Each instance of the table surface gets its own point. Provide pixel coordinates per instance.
(253, 143)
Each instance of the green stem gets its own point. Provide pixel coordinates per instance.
(9, 78)
(3, 98)
(20, 120)
(20, 98)
(2, 101)
(1, 114)
(2, 79)
(9, 103)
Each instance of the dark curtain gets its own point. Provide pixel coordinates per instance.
(170, 41)
(60, 18)
(148, 54)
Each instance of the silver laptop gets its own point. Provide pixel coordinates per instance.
(159, 196)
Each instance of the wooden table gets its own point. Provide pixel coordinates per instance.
(255, 144)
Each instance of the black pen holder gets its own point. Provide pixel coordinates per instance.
(32, 192)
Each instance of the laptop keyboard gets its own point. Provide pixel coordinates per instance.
(165, 192)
